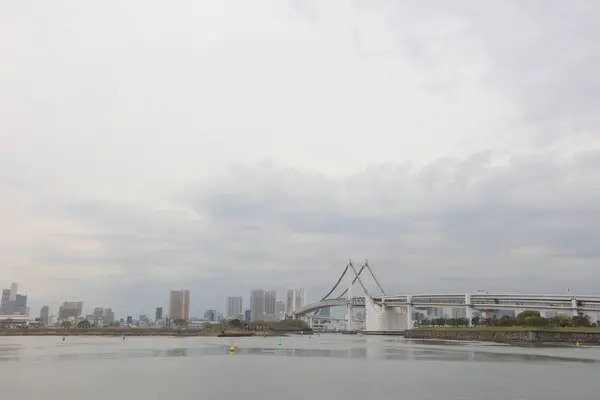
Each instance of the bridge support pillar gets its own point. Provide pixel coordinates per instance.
(574, 308)
(382, 318)
(469, 309)
(409, 312)
(349, 299)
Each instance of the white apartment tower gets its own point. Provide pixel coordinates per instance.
(234, 307)
(295, 299)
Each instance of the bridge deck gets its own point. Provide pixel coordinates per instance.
(478, 301)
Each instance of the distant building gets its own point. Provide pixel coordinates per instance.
(247, 315)
(102, 316)
(109, 316)
(294, 302)
(270, 300)
(435, 312)
(257, 304)
(234, 306)
(12, 302)
(45, 315)
(210, 315)
(97, 316)
(159, 314)
(280, 310)
(70, 309)
(4, 302)
(179, 305)
(13, 291)
(506, 313)
(459, 312)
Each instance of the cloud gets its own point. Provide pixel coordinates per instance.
(222, 148)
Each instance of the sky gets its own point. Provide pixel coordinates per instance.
(224, 146)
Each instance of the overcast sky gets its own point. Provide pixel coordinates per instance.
(225, 146)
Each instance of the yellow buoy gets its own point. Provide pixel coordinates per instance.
(577, 344)
(396, 340)
(232, 348)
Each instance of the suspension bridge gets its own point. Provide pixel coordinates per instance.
(395, 313)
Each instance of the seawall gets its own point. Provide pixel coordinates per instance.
(506, 336)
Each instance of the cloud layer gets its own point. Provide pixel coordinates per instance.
(222, 148)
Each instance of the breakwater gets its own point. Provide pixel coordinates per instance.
(134, 332)
(506, 336)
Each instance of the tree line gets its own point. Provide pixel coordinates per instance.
(529, 318)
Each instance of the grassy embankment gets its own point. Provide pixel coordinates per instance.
(509, 329)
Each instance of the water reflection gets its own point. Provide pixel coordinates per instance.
(324, 348)
(180, 352)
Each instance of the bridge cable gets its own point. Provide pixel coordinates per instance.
(365, 289)
(360, 280)
(353, 282)
(336, 285)
(373, 275)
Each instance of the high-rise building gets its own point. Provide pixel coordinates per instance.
(270, 300)
(109, 316)
(158, 315)
(459, 312)
(247, 316)
(45, 315)
(257, 304)
(179, 305)
(13, 291)
(294, 302)
(70, 309)
(13, 302)
(98, 316)
(234, 306)
(210, 315)
(4, 302)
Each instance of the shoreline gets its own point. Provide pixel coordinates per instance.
(140, 332)
(516, 336)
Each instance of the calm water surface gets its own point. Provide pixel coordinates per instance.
(318, 367)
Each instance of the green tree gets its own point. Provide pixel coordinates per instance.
(85, 324)
(528, 318)
(180, 323)
(65, 325)
(235, 323)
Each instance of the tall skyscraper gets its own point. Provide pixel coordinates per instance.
(234, 306)
(70, 309)
(20, 304)
(158, 315)
(270, 300)
(45, 315)
(298, 299)
(257, 304)
(4, 302)
(12, 302)
(179, 305)
(13, 291)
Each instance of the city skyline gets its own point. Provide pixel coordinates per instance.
(195, 310)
